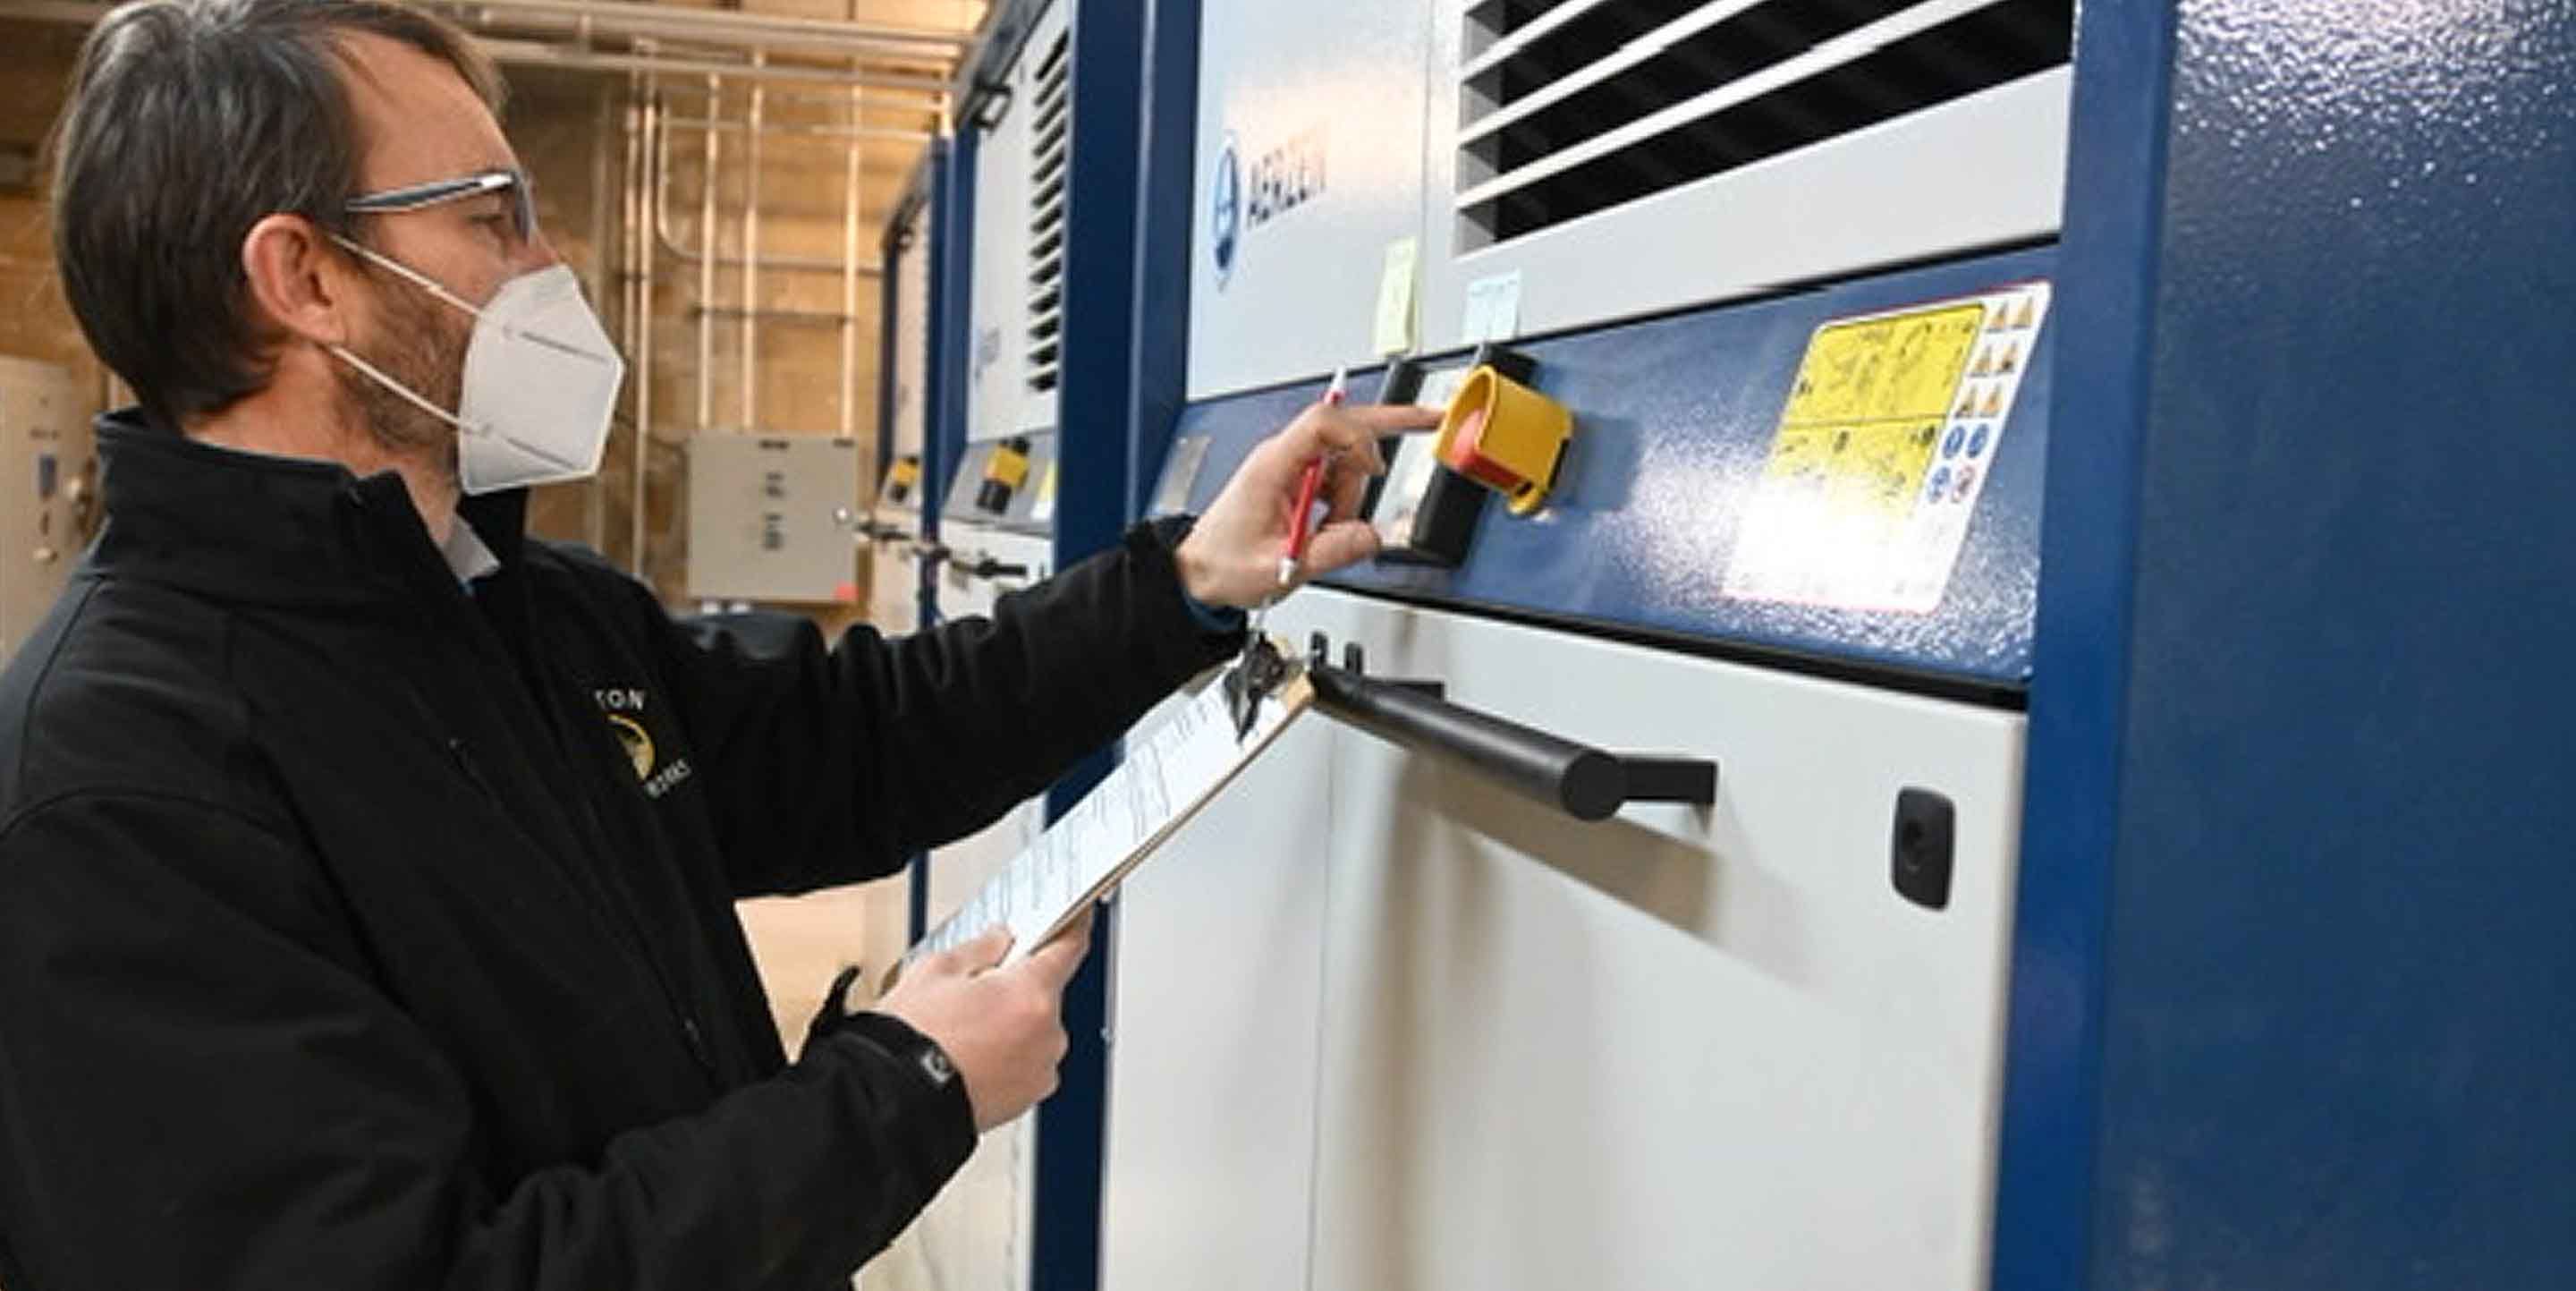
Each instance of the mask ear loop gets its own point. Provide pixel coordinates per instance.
(431, 286)
(350, 357)
(424, 281)
(410, 395)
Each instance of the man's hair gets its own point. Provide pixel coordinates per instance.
(189, 122)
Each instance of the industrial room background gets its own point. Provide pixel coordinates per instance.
(2089, 479)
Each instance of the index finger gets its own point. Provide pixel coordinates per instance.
(1053, 964)
(976, 955)
(1325, 428)
(1359, 429)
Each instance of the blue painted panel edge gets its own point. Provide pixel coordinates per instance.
(1166, 217)
(1106, 265)
(944, 407)
(2106, 289)
(920, 191)
(891, 249)
(952, 296)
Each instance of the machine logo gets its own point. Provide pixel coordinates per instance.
(1225, 211)
(1243, 196)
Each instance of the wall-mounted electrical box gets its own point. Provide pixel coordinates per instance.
(49, 475)
(771, 518)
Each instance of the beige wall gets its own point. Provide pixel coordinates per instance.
(35, 61)
(559, 122)
(804, 189)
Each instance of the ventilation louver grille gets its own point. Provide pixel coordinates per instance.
(1050, 139)
(1568, 107)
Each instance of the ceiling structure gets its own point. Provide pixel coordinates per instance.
(903, 46)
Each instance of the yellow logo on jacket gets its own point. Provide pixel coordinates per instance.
(638, 742)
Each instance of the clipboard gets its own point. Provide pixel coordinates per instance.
(1166, 776)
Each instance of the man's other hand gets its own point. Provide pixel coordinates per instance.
(1003, 1028)
(1231, 557)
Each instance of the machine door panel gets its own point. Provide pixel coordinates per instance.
(1676, 1048)
(911, 375)
(894, 596)
(976, 1233)
(1214, 1025)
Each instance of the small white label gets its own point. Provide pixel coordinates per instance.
(1180, 475)
(1493, 308)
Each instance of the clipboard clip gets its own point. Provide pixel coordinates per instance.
(1254, 676)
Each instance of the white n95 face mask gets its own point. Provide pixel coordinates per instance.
(541, 381)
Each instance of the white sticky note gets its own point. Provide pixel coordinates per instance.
(1493, 308)
(1042, 510)
(1394, 330)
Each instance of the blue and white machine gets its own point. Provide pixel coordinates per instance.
(1492, 1046)
(1031, 383)
(894, 531)
(2094, 488)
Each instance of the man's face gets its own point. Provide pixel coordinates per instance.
(418, 122)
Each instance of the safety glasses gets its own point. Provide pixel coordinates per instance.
(439, 192)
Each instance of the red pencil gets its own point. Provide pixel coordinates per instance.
(1301, 523)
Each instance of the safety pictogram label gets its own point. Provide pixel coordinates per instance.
(1883, 448)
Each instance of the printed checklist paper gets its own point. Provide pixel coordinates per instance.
(1163, 780)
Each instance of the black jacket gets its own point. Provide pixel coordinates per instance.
(360, 932)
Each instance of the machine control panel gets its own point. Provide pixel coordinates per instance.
(1007, 484)
(1426, 506)
(1846, 480)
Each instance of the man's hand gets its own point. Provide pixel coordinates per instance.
(1232, 555)
(1002, 1027)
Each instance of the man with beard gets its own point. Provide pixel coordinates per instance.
(366, 869)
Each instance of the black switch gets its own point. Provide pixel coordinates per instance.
(1921, 845)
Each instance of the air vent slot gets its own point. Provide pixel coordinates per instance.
(1583, 105)
(1493, 20)
(1050, 142)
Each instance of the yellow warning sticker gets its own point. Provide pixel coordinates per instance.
(1881, 451)
(906, 472)
(1899, 368)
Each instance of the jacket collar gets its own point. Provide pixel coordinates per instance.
(272, 530)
